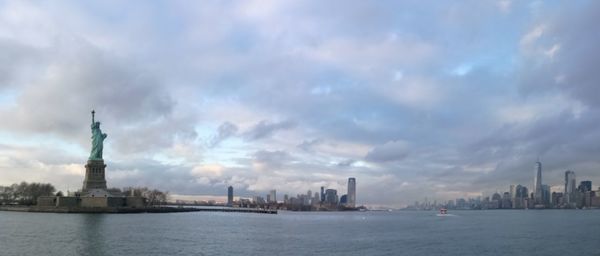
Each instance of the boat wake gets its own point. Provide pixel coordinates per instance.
(445, 215)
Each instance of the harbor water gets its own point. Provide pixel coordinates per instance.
(499, 232)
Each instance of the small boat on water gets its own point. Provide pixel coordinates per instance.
(443, 212)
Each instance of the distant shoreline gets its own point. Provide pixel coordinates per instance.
(117, 210)
(499, 209)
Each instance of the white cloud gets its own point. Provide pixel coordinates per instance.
(533, 35)
(552, 51)
(207, 170)
(504, 5)
(415, 92)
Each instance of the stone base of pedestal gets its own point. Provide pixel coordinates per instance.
(94, 175)
(91, 202)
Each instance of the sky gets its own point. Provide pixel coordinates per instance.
(416, 99)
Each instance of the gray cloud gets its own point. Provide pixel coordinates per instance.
(346, 163)
(390, 151)
(265, 129)
(564, 54)
(308, 145)
(17, 62)
(272, 159)
(225, 131)
(126, 100)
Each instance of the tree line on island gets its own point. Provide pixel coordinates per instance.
(27, 193)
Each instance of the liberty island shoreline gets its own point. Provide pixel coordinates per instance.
(163, 209)
(95, 196)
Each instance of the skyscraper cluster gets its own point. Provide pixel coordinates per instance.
(540, 197)
(327, 199)
(573, 196)
(330, 196)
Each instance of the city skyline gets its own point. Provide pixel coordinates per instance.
(569, 196)
(410, 98)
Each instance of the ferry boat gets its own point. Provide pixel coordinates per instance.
(443, 212)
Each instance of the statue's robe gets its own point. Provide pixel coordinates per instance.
(97, 143)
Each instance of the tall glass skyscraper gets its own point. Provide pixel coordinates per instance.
(570, 187)
(351, 195)
(273, 196)
(537, 183)
(230, 196)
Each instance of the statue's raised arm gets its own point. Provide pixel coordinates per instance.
(97, 140)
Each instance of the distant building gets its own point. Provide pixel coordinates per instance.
(259, 200)
(230, 196)
(273, 196)
(521, 191)
(450, 204)
(506, 201)
(513, 191)
(585, 186)
(519, 201)
(496, 201)
(244, 202)
(570, 195)
(322, 194)
(546, 194)
(305, 199)
(331, 196)
(316, 199)
(557, 198)
(344, 200)
(496, 196)
(537, 183)
(461, 203)
(351, 192)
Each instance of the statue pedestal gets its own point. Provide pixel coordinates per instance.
(94, 175)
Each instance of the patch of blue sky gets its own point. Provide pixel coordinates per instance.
(161, 16)
(229, 152)
(321, 90)
(499, 63)
(462, 69)
(167, 160)
(242, 39)
(8, 98)
(206, 131)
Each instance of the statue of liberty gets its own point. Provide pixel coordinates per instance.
(97, 140)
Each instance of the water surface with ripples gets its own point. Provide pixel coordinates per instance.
(500, 232)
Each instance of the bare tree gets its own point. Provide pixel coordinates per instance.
(25, 193)
(152, 196)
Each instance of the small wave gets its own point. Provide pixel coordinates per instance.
(446, 215)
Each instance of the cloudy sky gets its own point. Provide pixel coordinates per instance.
(415, 99)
